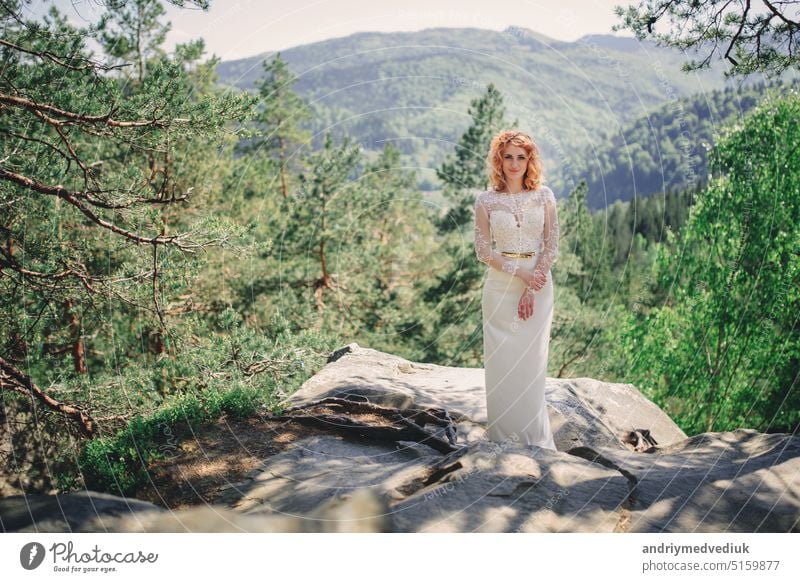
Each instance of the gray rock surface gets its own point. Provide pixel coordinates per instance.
(65, 513)
(739, 481)
(92, 512)
(583, 411)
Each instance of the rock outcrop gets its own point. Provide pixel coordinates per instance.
(410, 455)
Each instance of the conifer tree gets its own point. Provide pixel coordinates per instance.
(83, 210)
(318, 220)
(751, 37)
(280, 117)
(465, 171)
(452, 330)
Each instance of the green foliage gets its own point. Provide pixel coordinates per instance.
(212, 276)
(750, 38)
(667, 149)
(107, 173)
(452, 331)
(723, 353)
(465, 172)
(235, 373)
(119, 464)
(467, 167)
(280, 117)
(428, 78)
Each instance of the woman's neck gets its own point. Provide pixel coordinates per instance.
(515, 187)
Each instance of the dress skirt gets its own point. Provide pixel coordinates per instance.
(515, 359)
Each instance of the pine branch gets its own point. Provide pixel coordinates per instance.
(60, 61)
(14, 380)
(73, 199)
(40, 108)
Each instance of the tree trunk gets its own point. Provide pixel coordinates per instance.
(78, 349)
(281, 157)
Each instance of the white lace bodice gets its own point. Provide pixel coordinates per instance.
(522, 222)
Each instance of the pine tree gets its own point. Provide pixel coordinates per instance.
(83, 221)
(318, 219)
(280, 119)
(452, 331)
(751, 38)
(465, 171)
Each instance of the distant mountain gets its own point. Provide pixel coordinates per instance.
(623, 44)
(414, 88)
(668, 148)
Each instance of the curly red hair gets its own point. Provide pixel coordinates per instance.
(534, 175)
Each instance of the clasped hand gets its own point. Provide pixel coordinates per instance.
(534, 280)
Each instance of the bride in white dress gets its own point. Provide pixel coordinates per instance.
(519, 214)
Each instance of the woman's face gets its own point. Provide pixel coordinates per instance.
(515, 162)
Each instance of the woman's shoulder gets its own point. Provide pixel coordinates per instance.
(547, 193)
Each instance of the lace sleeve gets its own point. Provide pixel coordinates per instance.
(483, 241)
(551, 233)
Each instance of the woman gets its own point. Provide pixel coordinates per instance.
(519, 214)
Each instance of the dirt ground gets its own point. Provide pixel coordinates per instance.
(198, 467)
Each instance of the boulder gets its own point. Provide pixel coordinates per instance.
(622, 465)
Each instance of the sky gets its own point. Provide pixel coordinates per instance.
(235, 29)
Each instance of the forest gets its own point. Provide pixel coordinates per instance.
(173, 250)
(668, 148)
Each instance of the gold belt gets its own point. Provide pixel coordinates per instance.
(518, 255)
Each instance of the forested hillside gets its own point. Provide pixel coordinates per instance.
(174, 252)
(668, 148)
(414, 87)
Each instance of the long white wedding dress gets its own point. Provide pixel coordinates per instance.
(516, 350)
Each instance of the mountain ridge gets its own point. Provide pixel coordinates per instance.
(415, 87)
